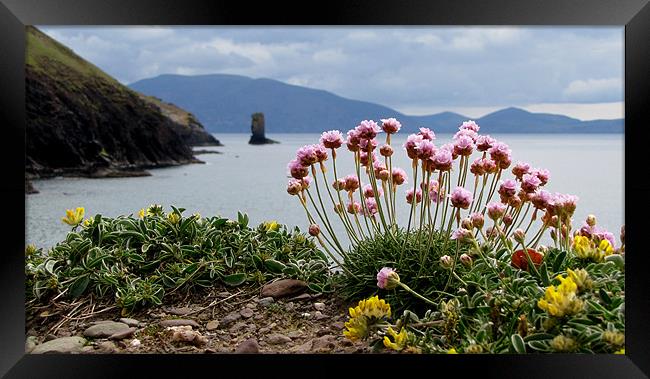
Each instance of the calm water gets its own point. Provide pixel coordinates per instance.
(253, 179)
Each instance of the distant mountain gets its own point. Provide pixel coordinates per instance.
(82, 122)
(224, 104)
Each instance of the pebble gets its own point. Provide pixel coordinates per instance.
(319, 316)
(304, 296)
(338, 325)
(322, 332)
(289, 306)
(249, 346)
(61, 345)
(106, 347)
(259, 317)
(283, 287)
(294, 334)
(135, 342)
(251, 305)
(184, 333)
(212, 325)
(230, 318)
(177, 311)
(319, 306)
(267, 328)
(130, 321)
(247, 313)
(122, 335)
(306, 315)
(237, 327)
(277, 339)
(266, 301)
(179, 322)
(323, 343)
(105, 329)
(302, 349)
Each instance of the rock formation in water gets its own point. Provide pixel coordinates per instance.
(82, 122)
(257, 130)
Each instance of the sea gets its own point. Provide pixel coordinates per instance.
(252, 179)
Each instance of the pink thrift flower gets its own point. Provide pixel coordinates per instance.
(351, 183)
(387, 278)
(409, 196)
(466, 133)
(383, 175)
(297, 170)
(425, 149)
(520, 169)
(379, 167)
(461, 198)
(390, 125)
(443, 159)
(540, 199)
(332, 139)
(399, 176)
(462, 235)
(314, 230)
(410, 145)
(427, 134)
(294, 186)
(508, 189)
(365, 157)
(353, 140)
(484, 143)
(369, 192)
(386, 150)
(464, 145)
(306, 181)
(530, 183)
(496, 210)
(500, 153)
(367, 129)
(542, 174)
(339, 185)
(371, 206)
(306, 155)
(477, 168)
(490, 166)
(477, 220)
(321, 152)
(470, 125)
(368, 143)
(354, 207)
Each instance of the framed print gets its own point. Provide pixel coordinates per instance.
(422, 186)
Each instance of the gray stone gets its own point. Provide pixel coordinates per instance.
(289, 306)
(61, 345)
(250, 346)
(302, 349)
(266, 301)
(294, 334)
(319, 306)
(283, 287)
(107, 347)
(237, 327)
(277, 339)
(247, 313)
(212, 325)
(230, 318)
(324, 343)
(30, 343)
(50, 337)
(304, 296)
(88, 349)
(130, 321)
(251, 305)
(105, 329)
(177, 311)
(122, 335)
(319, 316)
(338, 325)
(179, 322)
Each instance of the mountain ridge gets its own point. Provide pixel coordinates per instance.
(224, 102)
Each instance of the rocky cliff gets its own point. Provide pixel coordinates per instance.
(82, 122)
(258, 136)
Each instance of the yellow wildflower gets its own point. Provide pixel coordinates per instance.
(474, 349)
(87, 222)
(366, 313)
(581, 246)
(452, 351)
(74, 217)
(561, 300)
(585, 248)
(142, 213)
(581, 278)
(31, 249)
(400, 339)
(606, 247)
(622, 351)
(614, 338)
(271, 225)
(174, 217)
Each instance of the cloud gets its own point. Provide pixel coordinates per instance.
(400, 67)
(591, 90)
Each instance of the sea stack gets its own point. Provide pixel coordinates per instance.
(257, 130)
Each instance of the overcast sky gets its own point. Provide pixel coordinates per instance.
(470, 70)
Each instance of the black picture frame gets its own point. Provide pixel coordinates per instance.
(633, 14)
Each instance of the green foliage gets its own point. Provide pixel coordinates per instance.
(421, 271)
(138, 261)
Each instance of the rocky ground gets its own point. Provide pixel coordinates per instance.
(279, 318)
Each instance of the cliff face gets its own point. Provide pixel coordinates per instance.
(82, 122)
(186, 124)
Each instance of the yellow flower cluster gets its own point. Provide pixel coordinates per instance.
(585, 248)
(271, 225)
(174, 217)
(74, 217)
(581, 278)
(563, 344)
(561, 300)
(366, 313)
(400, 339)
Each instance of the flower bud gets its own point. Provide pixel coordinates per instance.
(387, 278)
(446, 261)
(467, 224)
(507, 219)
(314, 230)
(383, 175)
(466, 260)
(519, 235)
(477, 220)
(386, 150)
(474, 349)
(591, 220)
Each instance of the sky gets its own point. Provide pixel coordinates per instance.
(416, 70)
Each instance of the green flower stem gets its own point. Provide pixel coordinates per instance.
(495, 179)
(408, 289)
(338, 193)
(415, 184)
(324, 223)
(311, 220)
(329, 192)
(357, 160)
(373, 183)
(530, 261)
